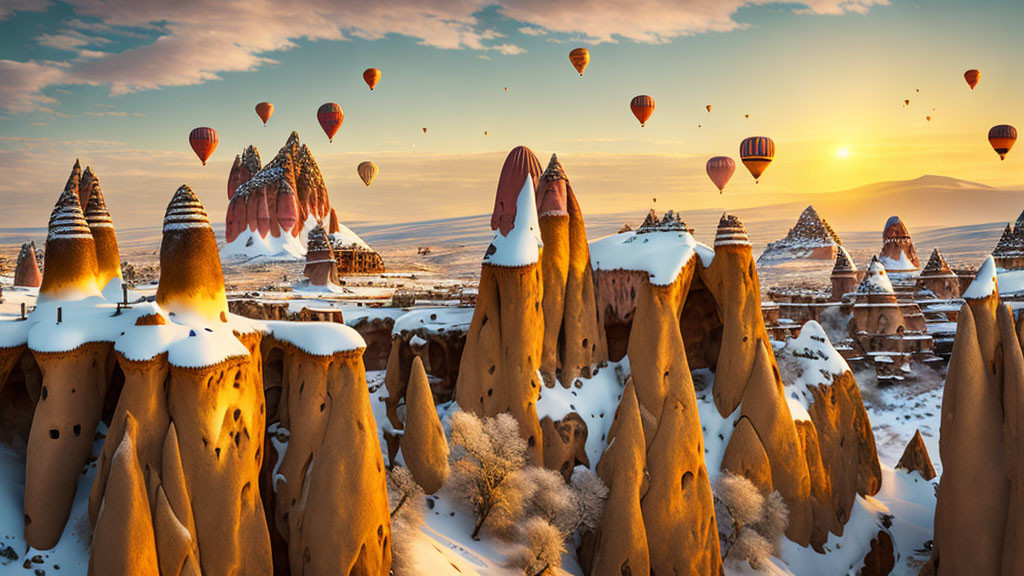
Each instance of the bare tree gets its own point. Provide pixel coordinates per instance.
(750, 525)
(487, 470)
(407, 502)
(541, 548)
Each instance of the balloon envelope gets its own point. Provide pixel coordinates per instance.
(1002, 138)
(580, 58)
(371, 76)
(756, 153)
(721, 169)
(367, 172)
(330, 116)
(265, 110)
(642, 107)
(708, 107)
(203, 141)
(972, 77)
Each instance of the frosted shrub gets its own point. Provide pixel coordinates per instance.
(750, 525)
(487, 471)
(540, 549)
(406, 502)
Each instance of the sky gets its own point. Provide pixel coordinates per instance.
(120, 84)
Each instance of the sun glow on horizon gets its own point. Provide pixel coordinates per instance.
(842, 153)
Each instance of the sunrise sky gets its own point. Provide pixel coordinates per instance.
(120, 83)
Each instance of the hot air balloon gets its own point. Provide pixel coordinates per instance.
(756, 153)
(928, 118)
(330, 116)
(972, 76)
(746, 115)
(265, 110)
(485, 132)
(579, 57)
(906, 102)
(708, 107)
(203, 141)
(506, 88)
(720, 170)
(424, 130)
(642, 107)
(367, 172)
(1001, 138)
(371, 76)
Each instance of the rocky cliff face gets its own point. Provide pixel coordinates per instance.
(811, 238)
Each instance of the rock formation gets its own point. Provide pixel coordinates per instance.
(1009, 251)
(504, 344)
(938, 278)
(71, 266)
(978, 528)
(811, 238)
(572, 340)
(26, 273)
(108, 258)
(898, 253)
(844, 275)
(321, 267)
(620, 545)
(915, 458)
(273, 208)
(424, 447)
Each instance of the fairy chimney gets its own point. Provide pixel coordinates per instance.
(424, 447)
(108, 258)
(898, 253)
(938, 278)
(321, 267)
(26, 273)
(191, 280)
(71, 267)
(246, 165)
(499, 367)
(915, 458)
(844, 275)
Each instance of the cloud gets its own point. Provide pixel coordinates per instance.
(189, 42)
(9, 7)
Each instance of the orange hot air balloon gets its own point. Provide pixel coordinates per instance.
(720, 170)
(906, 102)
(371, 76)
(746, 115)
(485, 132)
(203, 141)
(367, 172)
(506, 88)
(642, 107)
(757, 153)
(928, 118)
(424, 130)
(1002, 138)
(972, 76)
(580, 58)
(330, 116)
(708, 107)
(265, 110)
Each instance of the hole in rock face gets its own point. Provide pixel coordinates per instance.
(44, 393)
(490, 391)
(625, 570)
(380, 532)
(687, 481)
(217, 452)
(585, 342)
(322, 406)
(77, 429)
(531, 442)
(28, 520)
(54, 433)
(237, 414)
(491, 370)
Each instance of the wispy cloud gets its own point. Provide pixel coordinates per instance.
(196, 41)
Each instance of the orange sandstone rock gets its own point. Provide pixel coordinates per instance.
(915, 458)
(71, 267)
(108, 258)
(26, 273)
(424, 447)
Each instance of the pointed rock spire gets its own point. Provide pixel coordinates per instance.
(191, 279)
(70, 251)
(520, 164)
(915, 458)
(844, 262)
(985, 282)
(321, 267)
(108, 256)
(731, 232)
(553, 191)
(936, 264)
(27, 271)
(424, 446)
(876, 281)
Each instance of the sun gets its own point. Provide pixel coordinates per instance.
(842, 153)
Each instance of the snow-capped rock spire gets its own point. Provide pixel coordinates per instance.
(731, 232)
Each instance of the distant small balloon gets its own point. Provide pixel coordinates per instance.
(424, 130)
(580, 59)
(367, 172)
(928, 118)
(906, 102)
(720, 169)
(746, 115)
(485, 132)
(371, 76)
(330, 116)
(203, 141)
(506, 88)
(972, 77)
(708, 107)
(1001, 138)
(265, 110)
(642, 107)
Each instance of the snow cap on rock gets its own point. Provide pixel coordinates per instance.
(985, 283)
(876, 281)
(844, 263)
(731, 232)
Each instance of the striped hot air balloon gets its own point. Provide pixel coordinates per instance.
(642, 107)
(580, 58)
(265, 110)
(367, 172)
(371, 76)
(330, 116)
(203, 141)
(756, 153)
(720, 170)
(1002, 138)
(972, 77)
